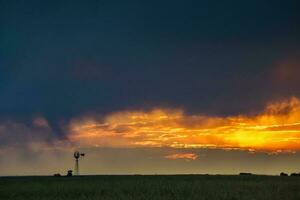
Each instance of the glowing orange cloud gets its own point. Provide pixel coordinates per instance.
(275, 129)
(185, 156)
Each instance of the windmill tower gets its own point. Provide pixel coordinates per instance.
(77, 155)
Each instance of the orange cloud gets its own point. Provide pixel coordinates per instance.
(185, 156)
(275, 129)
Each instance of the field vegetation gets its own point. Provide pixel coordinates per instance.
(151, 187)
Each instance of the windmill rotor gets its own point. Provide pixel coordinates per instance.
(76, 154)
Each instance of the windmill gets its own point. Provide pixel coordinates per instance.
(77, 155)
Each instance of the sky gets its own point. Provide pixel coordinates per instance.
(149, 87)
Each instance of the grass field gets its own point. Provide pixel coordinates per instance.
(151, 187)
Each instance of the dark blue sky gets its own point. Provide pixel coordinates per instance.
(61, 59)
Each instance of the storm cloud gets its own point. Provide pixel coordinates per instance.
(65, 59)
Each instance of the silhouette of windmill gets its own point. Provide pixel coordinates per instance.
(77, 155)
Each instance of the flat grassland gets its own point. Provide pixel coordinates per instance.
(151, 187)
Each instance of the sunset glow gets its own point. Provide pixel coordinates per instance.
(275, 129)
(185, 156)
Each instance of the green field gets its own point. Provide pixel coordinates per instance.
(151, 187)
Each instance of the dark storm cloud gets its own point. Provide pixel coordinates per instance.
(65, 58)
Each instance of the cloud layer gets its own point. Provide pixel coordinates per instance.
(185, 156)
(275, 129)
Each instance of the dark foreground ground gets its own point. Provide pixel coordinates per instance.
(151, 187)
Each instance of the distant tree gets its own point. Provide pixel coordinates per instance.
(57, 175)
(283, 174)
(70, 173)
(245, 174)
(295, 174)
